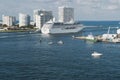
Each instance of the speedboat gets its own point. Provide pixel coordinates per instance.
(96, 54)
(50, 43)
(60, 42)
(91, 38)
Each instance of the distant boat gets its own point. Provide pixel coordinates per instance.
(73, 36)
(96, 54)
(50, 43)
(60, 42)
(111, 37)
(91, 38)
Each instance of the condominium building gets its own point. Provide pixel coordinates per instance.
(8, 20)
(66, 14)
(38, 21)
(35, 12)
(42, 18)
(24, 20)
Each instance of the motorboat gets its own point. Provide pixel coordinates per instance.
(90, 37)
(96, 54)
(50, 43)
(60, 42)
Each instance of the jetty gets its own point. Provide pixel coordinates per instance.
(113, 38)
(90, 37)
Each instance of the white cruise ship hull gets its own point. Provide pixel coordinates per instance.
(61, 29)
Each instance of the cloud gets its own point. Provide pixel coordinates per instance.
(46, 1)
(114, 1)
(53, 1)
(82, 7)
(111, 7)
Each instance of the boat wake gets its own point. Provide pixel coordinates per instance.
(4, 37)
(20, 35)
(96, 54)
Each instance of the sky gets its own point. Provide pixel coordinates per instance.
(84, 9)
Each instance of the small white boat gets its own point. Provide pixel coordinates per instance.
(60, 42)
(91, 38)
(50, 43)
(73, 36)
(96, 54)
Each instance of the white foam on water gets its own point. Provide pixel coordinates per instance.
(4, 36)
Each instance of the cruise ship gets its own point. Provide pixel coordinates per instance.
(65, 23)
(59, 27)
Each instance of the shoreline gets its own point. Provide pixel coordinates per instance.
(9, 31)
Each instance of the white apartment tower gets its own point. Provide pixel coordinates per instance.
(38, 21)
(42, 18)
(24, 20)
(35, 12)
(66, 14)
(8, 20)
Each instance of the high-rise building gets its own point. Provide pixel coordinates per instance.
(42, 18)
(35, 12)
(38, 21)
(66, 14)
(24, 20)
(8, 20)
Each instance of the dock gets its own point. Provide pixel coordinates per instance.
(93, 39)
(99, 39)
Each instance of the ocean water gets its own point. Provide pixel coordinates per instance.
(24, 57)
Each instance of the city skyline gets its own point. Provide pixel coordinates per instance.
(84, 9)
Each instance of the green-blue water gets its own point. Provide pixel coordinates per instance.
(24, 57)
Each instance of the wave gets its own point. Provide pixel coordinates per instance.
(20, 35)
(4, 36)
(12, 36)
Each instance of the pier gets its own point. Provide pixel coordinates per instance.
(98, 39)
